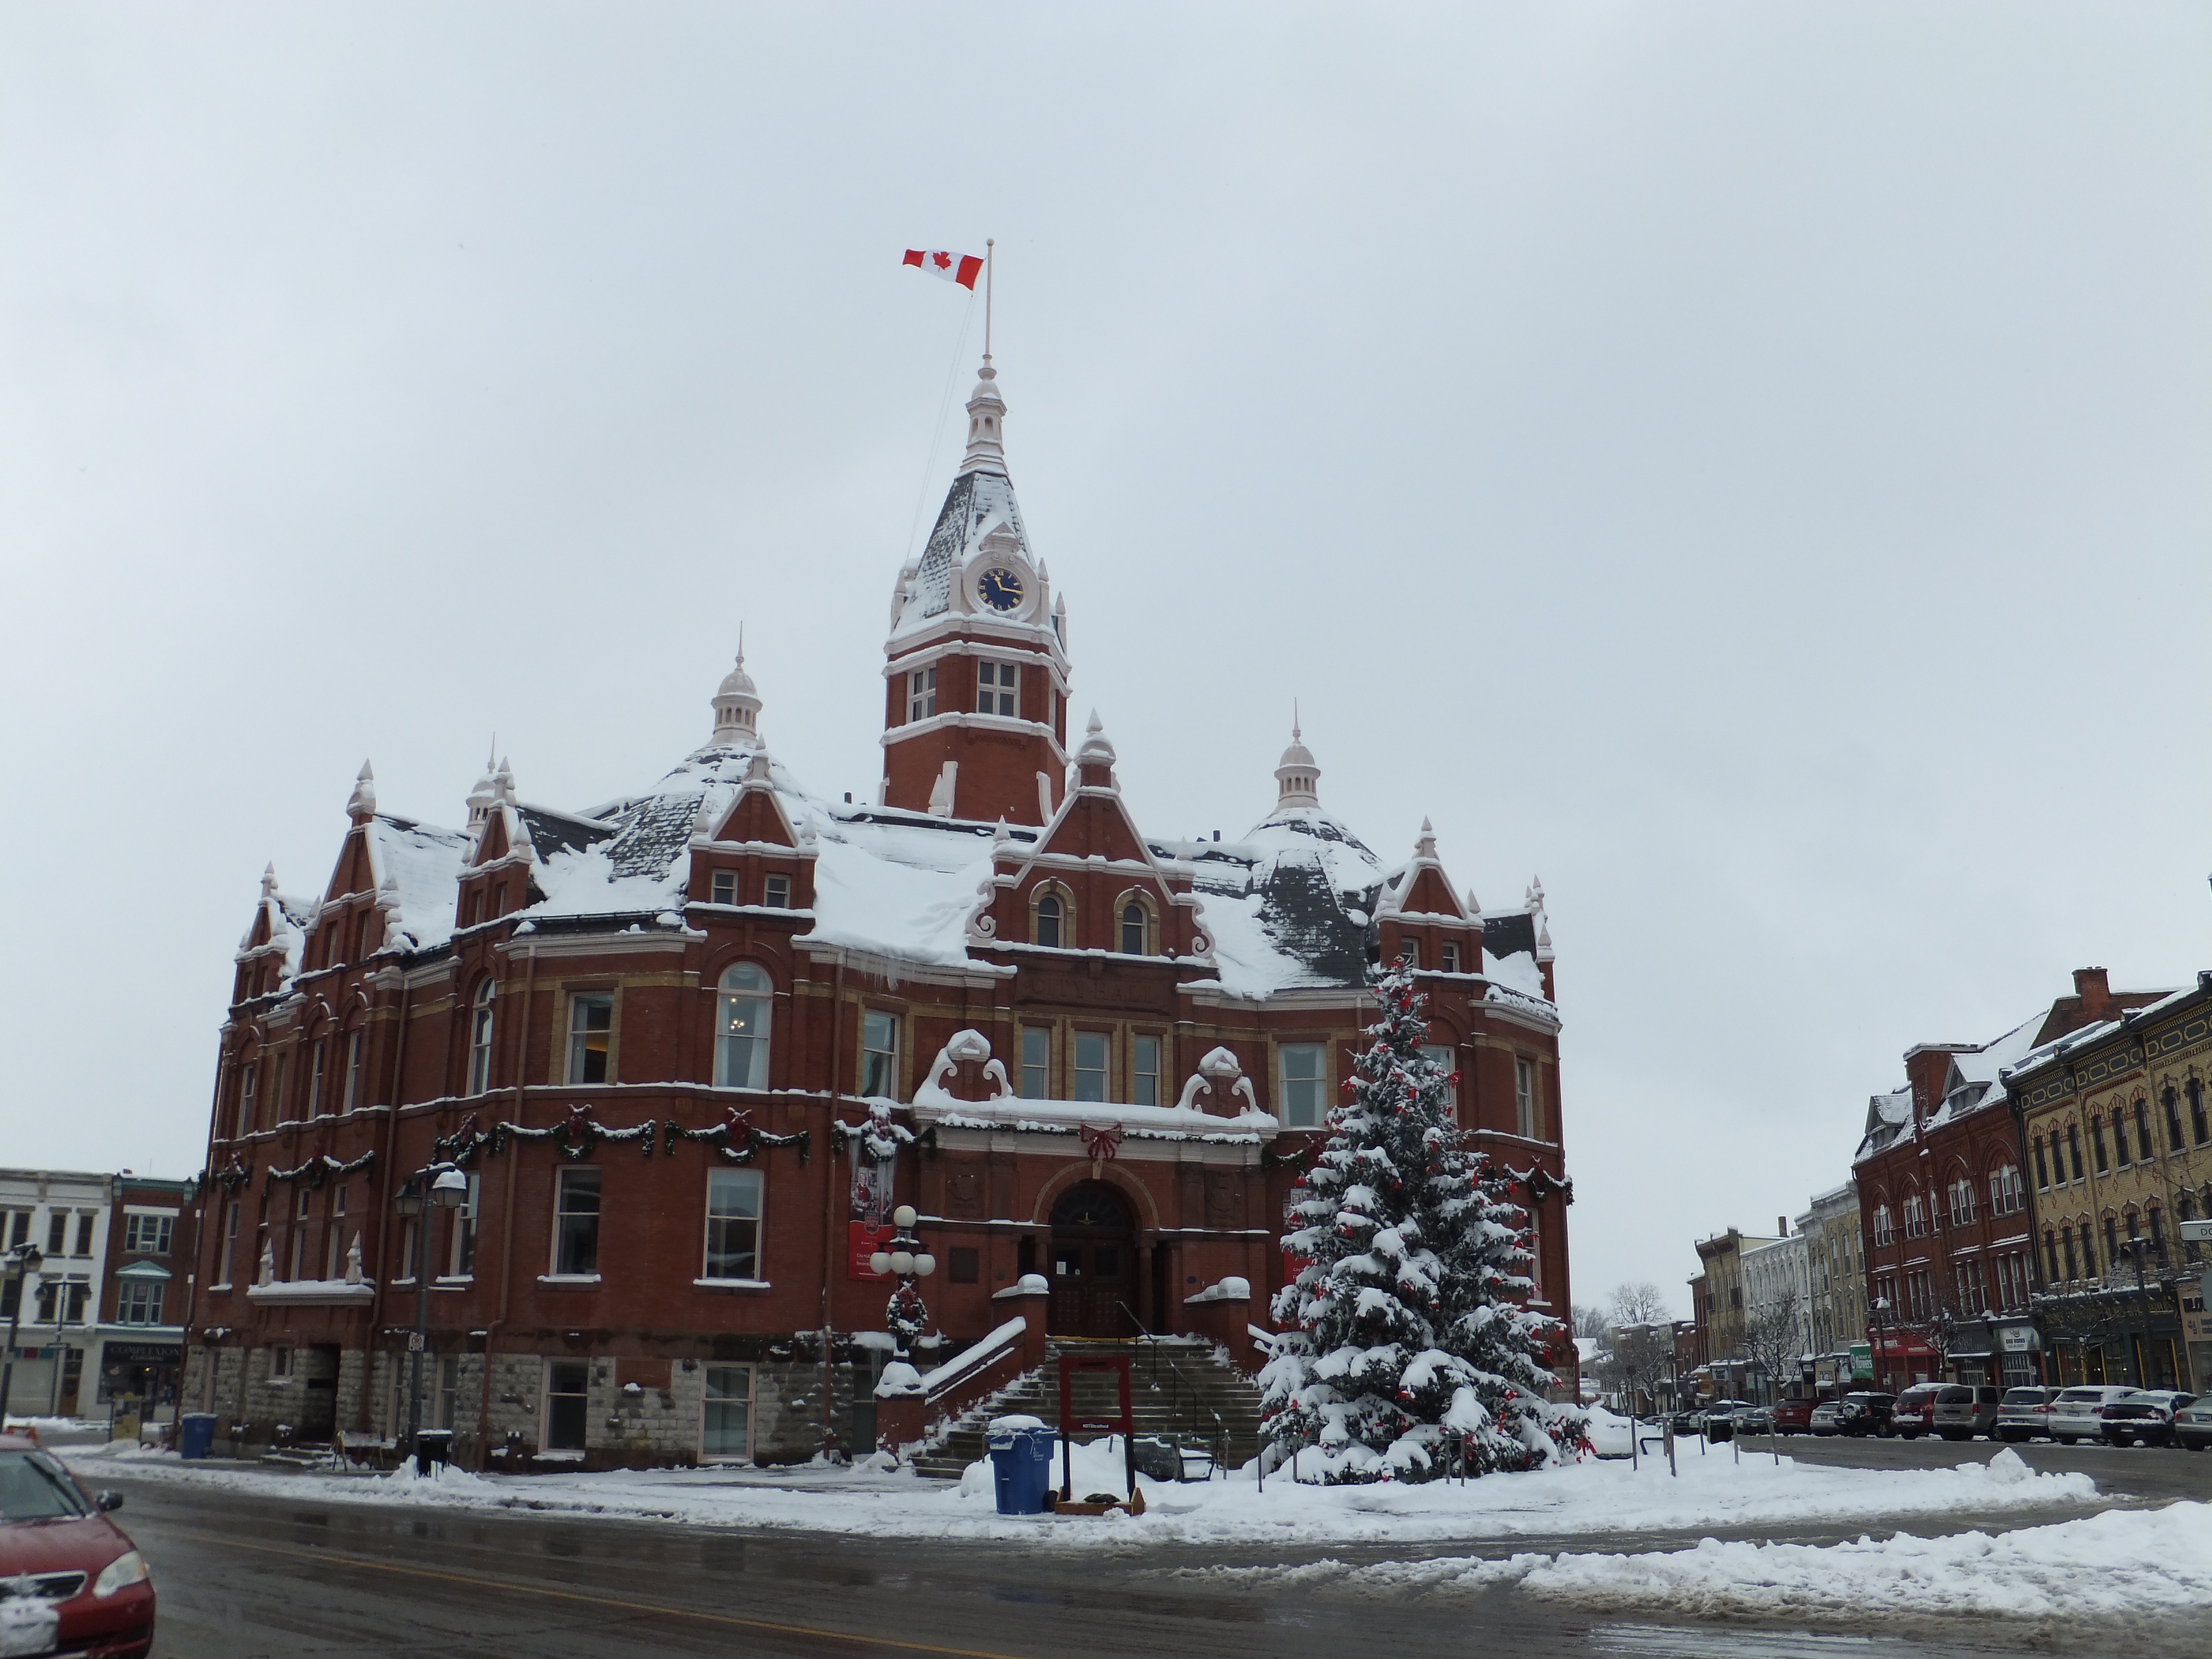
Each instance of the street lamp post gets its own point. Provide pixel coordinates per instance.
(2136, 1247)
(1880, 1306)
(435, 1187)
(21, 1262)
(907, 1315)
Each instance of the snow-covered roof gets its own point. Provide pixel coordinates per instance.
(978, 503)
(417, 868)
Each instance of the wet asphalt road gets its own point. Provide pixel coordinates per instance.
(243, 1577)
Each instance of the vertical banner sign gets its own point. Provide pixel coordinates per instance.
(869, 1228)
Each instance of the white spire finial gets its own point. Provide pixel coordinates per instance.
(736, 706)
(987, 422)
(362, 804)
(1298, 779)
(268, 880)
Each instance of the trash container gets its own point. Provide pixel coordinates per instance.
(432, 1446)
(195, 1433)
(1021, 1463)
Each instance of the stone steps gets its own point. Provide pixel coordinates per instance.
(1178, 1391)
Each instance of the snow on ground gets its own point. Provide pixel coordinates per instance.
(2106, 1569)
(1714, 1491)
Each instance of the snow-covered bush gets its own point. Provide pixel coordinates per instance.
(1408, 1351)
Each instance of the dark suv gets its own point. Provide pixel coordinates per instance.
(1865, 1413)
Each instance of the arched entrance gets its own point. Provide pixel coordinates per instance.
(1094, 1263)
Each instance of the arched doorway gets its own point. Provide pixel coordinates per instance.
(1094, 1263)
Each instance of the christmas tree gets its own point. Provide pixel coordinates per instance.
(1407, 1351)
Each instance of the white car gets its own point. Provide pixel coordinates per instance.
(2079, 1413)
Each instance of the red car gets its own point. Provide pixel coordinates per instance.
(1915, 1412)
(84, 1571)
(1792, 1416)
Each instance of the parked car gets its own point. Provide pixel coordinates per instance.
(2078, 1413)
(78, 1562)
(1683, 1422)
(1963, 1410)
(2193, 1425)
(1752, 1420)
(2145, 1418)
(1716, 1422)
(1860, 1413)
(1792, 1416)
(1910, 1420)
(2024, 1413)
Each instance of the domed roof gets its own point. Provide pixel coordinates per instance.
(737, 709)
(739, 683)
(1299, 774)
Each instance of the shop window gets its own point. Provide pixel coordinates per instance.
(567, 1400)
(591, 1036)
(733, 1215)
(1305, 1083)
(726, 1420)
(1144, 1072)
(1090, 1065)
(1036, 1063)
(576, 1223)
(879, 1054)
(741, 1036)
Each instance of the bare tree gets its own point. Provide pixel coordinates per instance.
(1639, 1304)
(1593, 1323)
(1774, 1336)
(1642, 1354)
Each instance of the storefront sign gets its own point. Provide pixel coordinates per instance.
(1861, 1362)
(2018, 1339)
(143, 1353)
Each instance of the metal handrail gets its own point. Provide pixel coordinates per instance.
(1220, 1437)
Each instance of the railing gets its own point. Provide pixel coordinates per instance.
(1219, 1439)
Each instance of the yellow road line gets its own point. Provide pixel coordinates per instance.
(326, 1557)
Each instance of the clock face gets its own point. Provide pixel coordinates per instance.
(1000, 588)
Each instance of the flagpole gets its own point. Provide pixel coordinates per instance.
(989, 243)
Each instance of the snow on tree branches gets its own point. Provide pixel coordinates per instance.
(1406, 1351)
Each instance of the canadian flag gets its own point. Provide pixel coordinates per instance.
(961, 268)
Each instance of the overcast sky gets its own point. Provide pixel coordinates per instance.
(1748, 465)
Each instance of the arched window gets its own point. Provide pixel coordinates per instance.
(247, 1125)
(1047, 928)
(1136, 929)
(2050, 1255)
(741, 1028)
(480, 1040)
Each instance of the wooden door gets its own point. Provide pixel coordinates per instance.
(1093, 1264)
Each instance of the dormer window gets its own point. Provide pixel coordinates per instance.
(998, 689)
(1449, 960)
(921, 694)
(726, 887)
(775, 892)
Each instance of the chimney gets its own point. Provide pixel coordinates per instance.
(1782, 1226)
(2095, 990)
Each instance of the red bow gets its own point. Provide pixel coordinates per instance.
(1102, 1144)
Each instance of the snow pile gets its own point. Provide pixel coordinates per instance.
(448, 1477)
(1092, 1466)
(2111, 1568)
(1714, 1491)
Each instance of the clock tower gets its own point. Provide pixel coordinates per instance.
(975, 668)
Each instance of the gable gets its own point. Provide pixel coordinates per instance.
(1096, 825)
(757, 816)
(1430, 894)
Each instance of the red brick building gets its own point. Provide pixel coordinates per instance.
(690, 1045)
(1943, 1203)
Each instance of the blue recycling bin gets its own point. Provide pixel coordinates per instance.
(195, 1434)
(1021, 1463)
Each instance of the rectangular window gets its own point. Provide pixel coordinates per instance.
(776, 892)
(1305, 1084)
(352, 1071)
(1409, 952)
(1449, 957)
(1525, 1095)
(568, 1404)
(2097, 1145)
(591, 1031)
(2042, 1170)
(410, 1232)
(461, 1253)
(286, 1107)
(334, 1252)
(19, 1228)
(57, 1233)
(315, 1079)
(1090, 1080)
(1443, 1057)
(998, 689)
(2144, 1153)
(879, 1054)
(2073, 1148)
(149, 1235)
(139, 1304)
(725, 1421)
(921, 694)
(726, 887)
(229, 1240)
(576, 1223)
(733, 1209)
(280, 1362)
(1036, 1063)
(246, 1124)
(1144, 1072)
(87, 1221)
